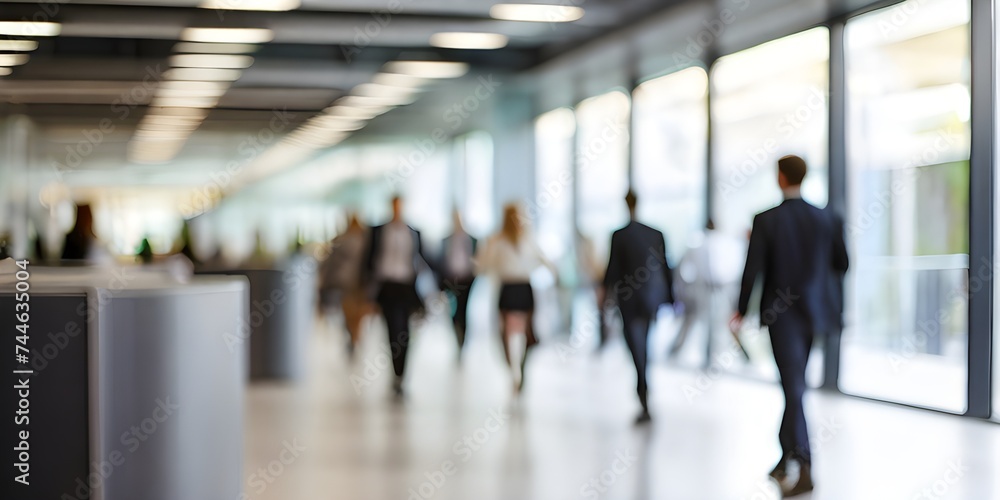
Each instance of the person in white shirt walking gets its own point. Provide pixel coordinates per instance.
(457, 273)
(512, 255)
(395, 254)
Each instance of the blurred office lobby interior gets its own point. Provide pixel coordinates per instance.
(210, 152)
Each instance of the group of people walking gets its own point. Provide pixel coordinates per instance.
(378, 268)
(796, 250)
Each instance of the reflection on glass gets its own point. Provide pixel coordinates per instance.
(474, 182)
(552, 209)
(602, 168)
(907, 220)
(669, 172)
(123, 220)
(768, 101)
(669, 155)
(428, 207)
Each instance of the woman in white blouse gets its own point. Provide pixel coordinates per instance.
(512, 256)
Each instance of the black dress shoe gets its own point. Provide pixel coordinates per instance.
(643, 418)
(803, 485)
(780, 471)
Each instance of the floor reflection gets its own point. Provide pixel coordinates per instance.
(460, 434)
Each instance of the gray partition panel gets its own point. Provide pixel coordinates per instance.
(273, 344)
(58, 410)
(278, 313)
(172, 396)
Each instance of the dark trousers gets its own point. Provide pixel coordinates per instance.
(636, 335)
(459, 288)
(791, 339)
(398, 302)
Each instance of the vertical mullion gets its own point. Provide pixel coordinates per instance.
(709, 142)
(981, 215)
(836, 173)
(633, 83)
(574, 163)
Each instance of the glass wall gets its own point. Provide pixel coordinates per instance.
(552, 209)
(125, 220)
(768, 101)
(669, 175)
(908, 204)
(473, 189)
(669, 151)
(602, 168)
(426, 207)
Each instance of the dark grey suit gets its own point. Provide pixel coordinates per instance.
(799, 251)
(397, 300)
(639, 280)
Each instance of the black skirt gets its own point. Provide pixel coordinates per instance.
(517, 297)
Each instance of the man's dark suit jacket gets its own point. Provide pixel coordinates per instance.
(799, 250)
(638, 276)
(375, 249)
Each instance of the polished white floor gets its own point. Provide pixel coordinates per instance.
(459, 434)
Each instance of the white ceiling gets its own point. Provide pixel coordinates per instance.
(101, 66)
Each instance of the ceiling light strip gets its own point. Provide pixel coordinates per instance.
(397, 84)
(202, 71)
(537, 13)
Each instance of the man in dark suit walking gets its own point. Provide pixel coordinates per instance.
(639, 280)
(395, 255)
(797, 249)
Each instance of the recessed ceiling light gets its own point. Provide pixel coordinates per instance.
(225, 61)
(227, 35)
(215, 48)
(168, 146)
(428, 69)
(398, 80)
(263, 5)
(167, 127)
(366, 103)
(463, 40)
(161, 136)
(334, 124)
(5, 71)
(24, 28)
(13, 59)
(536, 13)
(383, 91)
(190, 113)
(175, 93)
(312, 141)
(169, 118)
(148, 123)
(203, 74)
(154, 118)
(193, 86)
(358, 101)
(184, 102)
(321, 138)
(365, 113)
(18, 45)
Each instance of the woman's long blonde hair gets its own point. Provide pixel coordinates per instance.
(513, 223)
